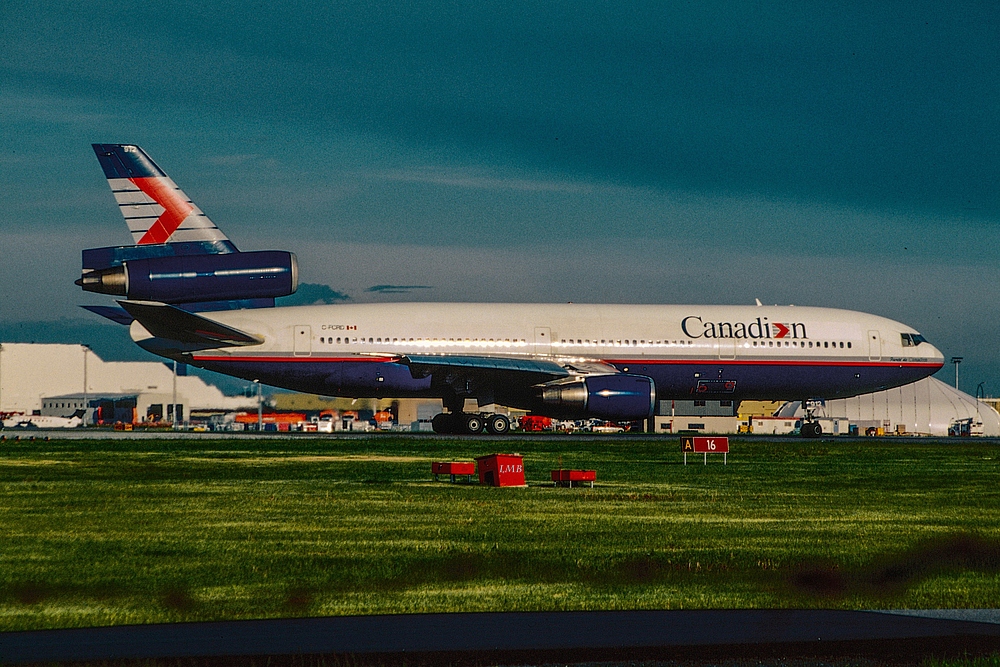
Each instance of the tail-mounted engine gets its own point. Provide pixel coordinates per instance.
(618, 397)
(189, 278)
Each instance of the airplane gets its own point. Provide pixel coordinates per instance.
(43, 421)
(189, 294)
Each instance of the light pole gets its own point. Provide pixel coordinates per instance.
(956, 361)
(174, 399)
(260, 409)
(86, 406)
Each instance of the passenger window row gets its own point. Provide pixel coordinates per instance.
(347, 340)
(621, 342)
(825, 344)
(521, 342)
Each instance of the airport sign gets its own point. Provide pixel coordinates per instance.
(692, 444)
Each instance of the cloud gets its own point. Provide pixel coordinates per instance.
(857, 106)
(471, 180)
(44, 109)
(396, 289)
(239, 160)
(310, 294)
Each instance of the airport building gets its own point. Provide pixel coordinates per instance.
(126, 408)
(58, 379)
(926, 407)
(702, 416)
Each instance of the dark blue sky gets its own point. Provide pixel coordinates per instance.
(829, 154)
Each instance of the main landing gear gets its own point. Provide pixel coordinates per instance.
(810, 428)
(464, 423)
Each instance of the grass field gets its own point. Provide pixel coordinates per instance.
(113, 532)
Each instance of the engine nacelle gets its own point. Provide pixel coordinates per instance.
(619, 397)
(195, 278)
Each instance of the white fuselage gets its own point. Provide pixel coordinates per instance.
(41, 421)
(576, 330)
(764, 351)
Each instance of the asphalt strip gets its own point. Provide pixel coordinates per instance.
(602, 633)
(973, 615)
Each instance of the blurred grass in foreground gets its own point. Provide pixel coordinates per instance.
(116, 532)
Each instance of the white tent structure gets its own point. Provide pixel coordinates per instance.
(927, 407)
(31, 372)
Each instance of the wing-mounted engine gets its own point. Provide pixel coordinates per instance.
(138, 276)
(618, 397)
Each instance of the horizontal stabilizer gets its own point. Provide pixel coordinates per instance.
(116, 315)
(169, 322)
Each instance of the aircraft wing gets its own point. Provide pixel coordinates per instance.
(515, 380)
(506, 380)
(498, 374)
(166, 321)
(456, 362)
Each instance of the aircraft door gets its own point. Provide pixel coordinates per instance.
(874, 346)
(727, 348)
(302, 340)
(543, 340)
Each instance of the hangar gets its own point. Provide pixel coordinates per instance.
(57, 379)
(926, 407)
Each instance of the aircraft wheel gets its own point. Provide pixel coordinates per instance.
(497, 424)
(473, 424)
(811, 430)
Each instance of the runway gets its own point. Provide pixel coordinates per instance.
(534, 637)
(166, 434)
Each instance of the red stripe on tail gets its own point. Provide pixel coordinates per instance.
(176, 209)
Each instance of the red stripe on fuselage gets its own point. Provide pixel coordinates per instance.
(175, 208)
(297, 359)
(648, 362)
(777, 362)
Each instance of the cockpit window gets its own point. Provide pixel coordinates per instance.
(912, 340)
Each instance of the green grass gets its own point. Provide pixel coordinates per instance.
(114, 532)
(991, 660)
